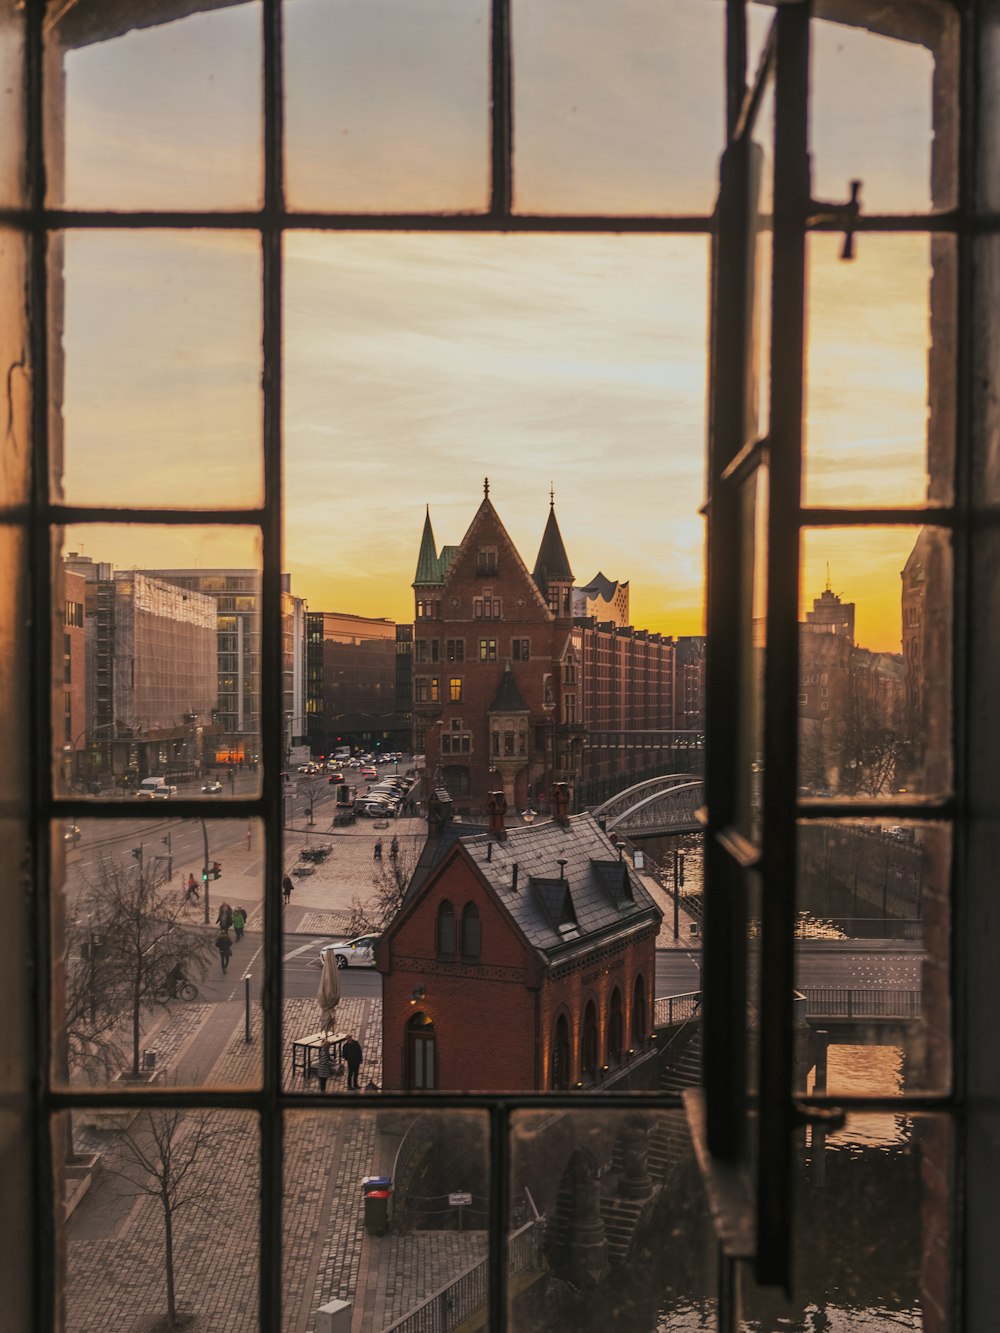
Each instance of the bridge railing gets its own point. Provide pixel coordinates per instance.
(841, 1002)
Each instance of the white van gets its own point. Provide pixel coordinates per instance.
(155, 789)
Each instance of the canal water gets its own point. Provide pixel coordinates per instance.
(859, 1235)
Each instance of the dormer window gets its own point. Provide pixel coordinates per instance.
(486, 561)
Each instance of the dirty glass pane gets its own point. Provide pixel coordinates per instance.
(146, 1225)
(875, 663)
(386, 1215)
(144, 991)
(878, 328)
(387, 105)
(12, 176)
(160, 343)
(878, 99)
(617, 110)
(873, 1232)
(872, 951)
(157, 114)
(610, 1226)
(156, 661)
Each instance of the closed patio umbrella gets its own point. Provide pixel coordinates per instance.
(328, 995)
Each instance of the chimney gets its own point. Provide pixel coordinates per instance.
(496, 808)
(513, 878)
(489, 851)
(561, 863)
(560, 804)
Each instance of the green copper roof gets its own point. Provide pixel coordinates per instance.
(428, 565)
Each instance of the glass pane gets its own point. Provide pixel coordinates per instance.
(12, 174)
(387, 105)
(878, 110)
(874, 432)
(875, 663)
(145, 990)
(157, 115)
(544, 350)
(387, 1213)
(601, 1184)
(873, 1230)
(872, 957)
(763, 138)
(161, 344)
(156, 662)
(613, 110)
(146, 1222)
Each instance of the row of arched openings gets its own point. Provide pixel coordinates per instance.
(590, 1062)
(459, 936)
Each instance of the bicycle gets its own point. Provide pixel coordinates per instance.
(184, 990)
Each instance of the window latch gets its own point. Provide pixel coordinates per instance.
(843, 215)
(830, 1118)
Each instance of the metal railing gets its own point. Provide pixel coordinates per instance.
(671, 1009)
(838, 1002)
(446, 1308)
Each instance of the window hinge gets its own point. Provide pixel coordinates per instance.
(846, 215)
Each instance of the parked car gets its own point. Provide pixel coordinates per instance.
(212, 788)
(358, 952)
(375, 809)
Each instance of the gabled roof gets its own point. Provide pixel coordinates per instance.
(587, 891)
(428, 566)
(486, 525)
(552, 562)
(508, 697)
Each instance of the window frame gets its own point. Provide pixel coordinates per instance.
(271, 223)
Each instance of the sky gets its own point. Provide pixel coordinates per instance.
(417, 365)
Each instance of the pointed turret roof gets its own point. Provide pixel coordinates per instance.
(428, 565)
(552, 564)
(508, 697)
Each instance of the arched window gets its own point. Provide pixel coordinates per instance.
(446, 931)
(456, 780)
(559, 1073)
(471, 933)
(615, 1028)
(639, 1013)
(421, 1054)
(588, 1051)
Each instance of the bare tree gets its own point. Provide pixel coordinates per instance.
(390, 880)
(167, 1154)
(130, 934)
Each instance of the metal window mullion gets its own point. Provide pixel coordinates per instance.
(791, 199)
(501, 112)
(271, 1123)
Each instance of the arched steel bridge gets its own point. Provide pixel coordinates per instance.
(662, 805)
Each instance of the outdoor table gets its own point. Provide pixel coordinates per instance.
(306, 1049)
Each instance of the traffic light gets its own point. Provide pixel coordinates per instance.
(204, 877)
(216, 869)
(137, 853)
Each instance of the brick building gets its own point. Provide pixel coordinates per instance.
(539, 938)
(510, 687)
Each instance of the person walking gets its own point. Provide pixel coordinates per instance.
(352, 1053)
(225, 918)
(324, 1064)
(239, 921)
(191, 888)
(225, 947)
(394, 847)
(378, 849)
(286, 889)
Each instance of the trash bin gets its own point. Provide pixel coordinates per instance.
(376, 1191)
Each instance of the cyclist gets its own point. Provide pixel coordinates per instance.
(174, 980)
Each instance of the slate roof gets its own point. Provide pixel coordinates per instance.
(564, 914)
(552, 561)
(508, 698)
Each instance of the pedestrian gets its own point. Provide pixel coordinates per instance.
(351, 1051)
(378, 849)
(225, 918)
(286, 889)
(239, 921)
(191, 889)
(394, 847)
(225, 947)
(324, 1064)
